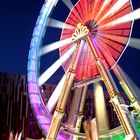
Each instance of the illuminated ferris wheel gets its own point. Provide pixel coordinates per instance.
(93, 38)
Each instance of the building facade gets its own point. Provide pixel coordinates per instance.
(13, 104)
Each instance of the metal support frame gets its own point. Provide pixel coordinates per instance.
(116, 100)
(79, 104)
(75, 103)
(126, 87)
(81, 109)
(59, 111)
(124, 116)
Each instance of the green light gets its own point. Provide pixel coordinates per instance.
(120, 136)
(138, 126)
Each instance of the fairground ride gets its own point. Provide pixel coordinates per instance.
(93, 38)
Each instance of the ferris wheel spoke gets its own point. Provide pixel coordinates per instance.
(55, 95)
(90, 6)
(106, 2)
(119, 4)
(82, 9)
(133, 43)
(77, 15)
(68, 3)
(54, 67)
(51, 47)
(102, 38)
(81, 17)
(125, 8)
(129, 17)
(113, 38)
(85, 8)
(105, 53)
(59, 24)
(104, 31)
(94, 7)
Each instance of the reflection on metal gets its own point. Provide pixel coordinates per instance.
(83, 99)
(74, 107)
(79, 115)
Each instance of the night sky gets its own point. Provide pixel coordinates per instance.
(17, 20)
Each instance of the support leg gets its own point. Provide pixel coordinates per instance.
(81, 109)
(127, 88)
(124, 118)
(100, 108)
(59, 111)
(74, 107)
(79, 114)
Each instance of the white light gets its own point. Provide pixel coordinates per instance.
(55, 95)
(103, 6)
(68, 3)
(54, 67)
(134, 43)
(129, 137)
(129, 17)
(59, 24)
(19, 137)
(49, 72)
(51, 47)
(115, 8)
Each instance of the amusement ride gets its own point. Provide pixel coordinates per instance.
(94, 35)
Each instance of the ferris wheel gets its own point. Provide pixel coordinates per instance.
(94, 36)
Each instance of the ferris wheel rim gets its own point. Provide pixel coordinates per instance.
(121, 53)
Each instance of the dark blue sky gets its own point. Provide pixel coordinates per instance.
(17, 20)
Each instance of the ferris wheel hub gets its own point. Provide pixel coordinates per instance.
(80, 32)
(92, 27)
